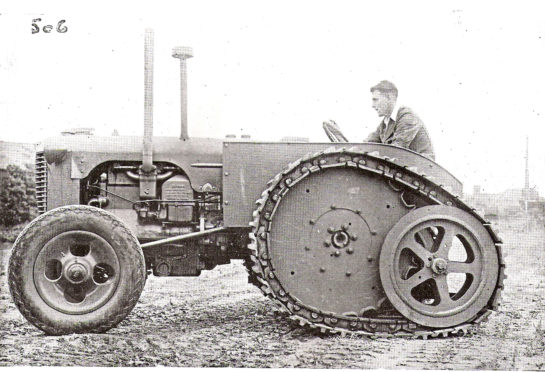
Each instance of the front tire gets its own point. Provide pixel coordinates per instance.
(76, 269)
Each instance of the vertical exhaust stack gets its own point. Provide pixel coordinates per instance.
(147, 152)
(183, 53)
(148, 172)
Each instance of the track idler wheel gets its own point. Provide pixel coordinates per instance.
(443, 281)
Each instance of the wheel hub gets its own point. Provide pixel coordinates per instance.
(77, 272)
(439, 266)
(340, 239)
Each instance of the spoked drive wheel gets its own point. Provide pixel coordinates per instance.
(76, 269)
(439, 266)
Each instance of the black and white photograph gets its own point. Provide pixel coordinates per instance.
(287, 184)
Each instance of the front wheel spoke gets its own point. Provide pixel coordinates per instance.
(57, 251)
(62, 283)
(81, 290)
(101, 254)
(456, 267)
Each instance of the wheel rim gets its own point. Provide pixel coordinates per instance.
(76, 272)
(439, 266)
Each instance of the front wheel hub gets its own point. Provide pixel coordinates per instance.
(77, 273)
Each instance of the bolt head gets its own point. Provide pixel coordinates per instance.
(322, 269)
(350, 250)
(326, 243)
(354, 237)
(337, 253)
(331, 229)
(348, 273)
(76, 275)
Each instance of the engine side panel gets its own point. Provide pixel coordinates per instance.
(248, 166)
(200, 158)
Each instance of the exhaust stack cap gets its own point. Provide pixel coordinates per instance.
(182, 52)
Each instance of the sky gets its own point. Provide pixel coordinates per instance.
(472, 71)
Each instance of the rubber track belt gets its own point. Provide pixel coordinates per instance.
(401, 179)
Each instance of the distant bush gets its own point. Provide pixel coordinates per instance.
(9, 234)
(17, 196)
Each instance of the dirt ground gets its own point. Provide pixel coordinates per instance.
(218, 320)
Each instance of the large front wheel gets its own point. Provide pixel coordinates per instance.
(76, 269)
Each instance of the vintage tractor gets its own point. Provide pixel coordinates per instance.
(346, 238)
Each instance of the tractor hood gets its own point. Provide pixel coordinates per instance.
(85, 152)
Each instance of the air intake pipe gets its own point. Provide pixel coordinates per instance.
(183, 53)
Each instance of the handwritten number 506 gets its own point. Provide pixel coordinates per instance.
(61, 28)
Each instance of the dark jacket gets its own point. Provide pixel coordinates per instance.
(407, 130)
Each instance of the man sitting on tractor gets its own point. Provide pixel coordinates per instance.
(406, 130)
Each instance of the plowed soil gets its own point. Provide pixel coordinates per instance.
(218, 319)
